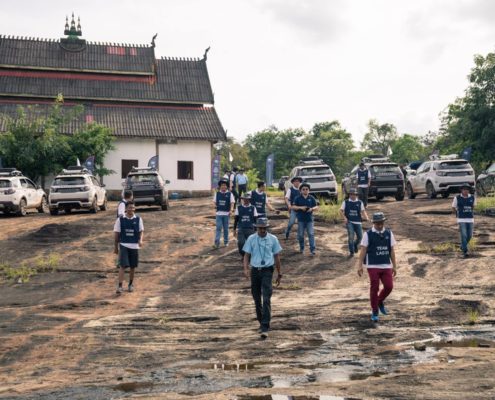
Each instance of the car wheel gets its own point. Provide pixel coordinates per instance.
(410, 192)
(445, 195)
(430, 191)
(94, 206)
(54, 211)
(104, 206)
(165, 206)
(22, 208)
(379, 197)
(43, 208)
(68, 210)
(399, 196)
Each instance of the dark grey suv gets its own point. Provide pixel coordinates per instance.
(148, 187)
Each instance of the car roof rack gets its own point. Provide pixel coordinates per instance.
(375, 158)
(75, 170)
(311, 160)
(435, 157)
(144, 169)
(10, 172)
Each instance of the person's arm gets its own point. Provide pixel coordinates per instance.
(286, 199)
(364, 214)
(454, 206)
(278, 265)
(236, 221)
(116, 236)
(314, 208)
(246, 264)
(342, 213)
(369, 178)
(362, 255)
(232, 203)
(394, 263)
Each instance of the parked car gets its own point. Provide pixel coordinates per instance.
(148, 187)
(442, 175)
(386, 178)
(485, 183)
(76, 188)
(318, 174)
(18, 193)
(281, 183)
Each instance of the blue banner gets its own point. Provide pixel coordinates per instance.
(466, 153)
(215, 171)
(153, 162)
(89, 164)
(270, 161)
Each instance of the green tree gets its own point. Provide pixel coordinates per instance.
(239, 154)
(407, 148)
(379, 137)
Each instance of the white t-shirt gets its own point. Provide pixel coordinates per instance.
(342, 207)
(365, 243)
(232, 201)
(466, 220)
(368, 178)
(116, 228)
(121, 209)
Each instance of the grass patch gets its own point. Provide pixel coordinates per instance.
(274, 192)
(329, 212)
(473, 316)
(291, 286)
(446, 247)
(22, 273)
(484, 203)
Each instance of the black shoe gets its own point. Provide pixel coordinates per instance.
(264, 334)
(350, 255)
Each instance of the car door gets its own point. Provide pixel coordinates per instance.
(37, 195)
(99, 190)
(28, 191)
(420, 178)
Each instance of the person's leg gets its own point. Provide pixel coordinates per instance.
(350, 237)
(388, 284)
(464, 232)
(266, 290)
(256, 293)
(225, 223)
(358, 229)
(301, 226)
(310, 227)
(469, 233)
(218, 230)
(374, 286)
(365, 196)
(361, 195)
(292, 221)
(121, 275)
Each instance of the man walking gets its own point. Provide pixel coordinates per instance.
(242, 182)
(128, 196)
(363, 180)
(260, 200)
(245, 217)
(262, 253)
(290, 197)
(377, 252)
(353, 212)
(305, 205)
(224, 204)
(128, 239)
(463, 206)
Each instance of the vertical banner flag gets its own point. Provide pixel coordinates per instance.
(90, 164)
(1, 162)
(215, 171)
(78, 163)
(466, 153)
(270, 161)
(153, 162)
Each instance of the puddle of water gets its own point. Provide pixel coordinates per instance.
(466, 342)
(232, 367)
(133, 386)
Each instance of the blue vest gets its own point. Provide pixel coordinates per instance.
(129, 230)
(223, 201)
(362, 176)
(379, 247)
(259, 201)
(465, 207)
(246, 217)
(121, 201)
(353, 210)
(309, 201)
(293, 194)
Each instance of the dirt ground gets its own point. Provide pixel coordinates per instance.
(189, 330)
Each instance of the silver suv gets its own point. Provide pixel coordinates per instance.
(443, 175)
(18, 193)
(76, 188)
(318, 174)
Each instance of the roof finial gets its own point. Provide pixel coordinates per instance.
(153, 40)
(205, 56)
(72, 22)
(66, 24)
(79, 26)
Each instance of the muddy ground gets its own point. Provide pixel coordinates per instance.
(188, 331)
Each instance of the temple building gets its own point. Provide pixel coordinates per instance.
(154, 106)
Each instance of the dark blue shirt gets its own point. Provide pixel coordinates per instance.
(259, 201)
(310, 202)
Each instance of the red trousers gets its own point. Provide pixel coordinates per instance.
(376, 275)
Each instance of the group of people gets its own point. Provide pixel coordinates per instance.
(237, 182)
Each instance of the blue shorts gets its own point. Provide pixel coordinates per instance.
(128, 257)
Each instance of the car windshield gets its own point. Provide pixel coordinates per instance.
(4, 183)
(69, 181)
(146, 178)
(383, 168)
(316, 171)
(454, 165)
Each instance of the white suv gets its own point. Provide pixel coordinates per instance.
(18, 193)
(440, 176)
(76, 188)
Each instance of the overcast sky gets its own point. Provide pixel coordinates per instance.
(292, 63)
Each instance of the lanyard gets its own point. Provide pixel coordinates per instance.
(262, 255)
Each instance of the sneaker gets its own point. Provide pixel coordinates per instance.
(350, 255)
(226, 244)
(120, 289)
(264, 334)
(382, 309)
(313, 253)
(216, 246)
(130, 288)
(374, 316)
(465, 255)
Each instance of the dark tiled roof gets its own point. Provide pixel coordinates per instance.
(154, 122)
(48, 54)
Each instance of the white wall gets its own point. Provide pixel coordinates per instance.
(199, 152)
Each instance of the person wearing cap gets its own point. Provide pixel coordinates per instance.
(260, 200)
(245, 217)
(262, 253)
(305, 205)
(377, 252)
(290, 197)
(463, 207)
(224, 203)
(363, 177)
(242, 182)
(353, 212)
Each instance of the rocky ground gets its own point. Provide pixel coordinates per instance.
(188, 331)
